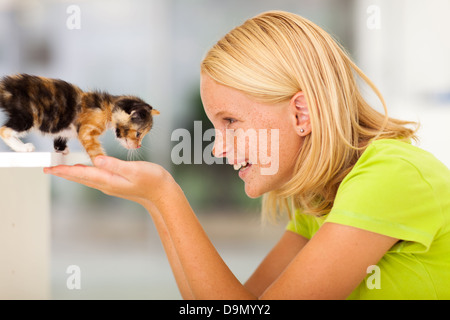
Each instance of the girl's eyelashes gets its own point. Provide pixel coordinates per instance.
(230, 120)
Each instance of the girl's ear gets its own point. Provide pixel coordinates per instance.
(300, 114)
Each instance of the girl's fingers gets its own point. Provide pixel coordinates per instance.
(130, 180)
(78, 173)
(122, 168)
(90, 176)
(80, 165)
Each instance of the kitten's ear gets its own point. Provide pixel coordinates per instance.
(153, 112)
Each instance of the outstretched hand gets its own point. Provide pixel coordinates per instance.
(140, 181)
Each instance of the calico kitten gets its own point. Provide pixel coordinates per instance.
(63, 110)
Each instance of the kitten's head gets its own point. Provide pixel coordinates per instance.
(132, 119)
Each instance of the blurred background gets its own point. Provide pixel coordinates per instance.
(153, 49)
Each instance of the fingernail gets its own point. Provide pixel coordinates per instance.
(50, 170)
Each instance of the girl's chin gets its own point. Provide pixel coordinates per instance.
(252, 195)
(253, 192)
(257, 185)
(261, 185)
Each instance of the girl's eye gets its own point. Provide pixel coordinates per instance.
(230, 120)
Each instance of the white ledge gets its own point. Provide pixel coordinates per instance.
(40, 159)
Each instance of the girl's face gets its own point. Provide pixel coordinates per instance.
(260, 140)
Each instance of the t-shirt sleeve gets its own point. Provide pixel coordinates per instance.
(302, 224)
(388, 195)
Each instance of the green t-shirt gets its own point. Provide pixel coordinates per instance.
(401, 191)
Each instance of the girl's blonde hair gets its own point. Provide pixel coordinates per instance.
(275, 55)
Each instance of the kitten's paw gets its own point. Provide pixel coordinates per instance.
(65, 152)
(27, 147)
(93, 155)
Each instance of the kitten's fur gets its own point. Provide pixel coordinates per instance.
(63, 110)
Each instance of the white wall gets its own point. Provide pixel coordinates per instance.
(408, 58)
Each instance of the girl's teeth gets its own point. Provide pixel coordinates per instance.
(240, 165)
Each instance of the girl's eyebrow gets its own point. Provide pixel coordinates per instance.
(221, 114)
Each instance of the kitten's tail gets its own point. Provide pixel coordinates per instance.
(2, 92)
(5, 94)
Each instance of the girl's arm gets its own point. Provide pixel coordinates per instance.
(107, 182)
(206, 273)
(330, 265)
(177, 268)
(275, 262)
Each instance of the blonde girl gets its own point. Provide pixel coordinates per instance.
(361, 198)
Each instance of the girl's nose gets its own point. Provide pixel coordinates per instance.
(218, 152)
(219, 148)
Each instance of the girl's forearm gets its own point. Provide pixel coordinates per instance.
(177, 269)
(190, 250)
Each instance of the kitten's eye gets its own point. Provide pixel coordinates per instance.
(118, 133)
(138, 134)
